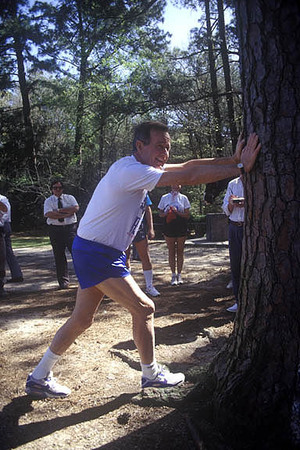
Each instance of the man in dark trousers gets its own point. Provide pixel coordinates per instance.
(3, 210)
(14, 266)
(60, 210)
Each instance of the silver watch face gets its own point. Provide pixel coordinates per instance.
(240, 165)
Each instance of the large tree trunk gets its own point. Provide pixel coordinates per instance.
(256, 374)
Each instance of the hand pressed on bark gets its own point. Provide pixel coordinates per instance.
(250, 152)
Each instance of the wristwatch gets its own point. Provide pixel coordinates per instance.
(241, 167)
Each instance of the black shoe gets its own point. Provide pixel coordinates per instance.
(15, 280)
(64, 286)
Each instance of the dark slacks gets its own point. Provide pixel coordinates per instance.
(11, 259)
(235, 252)
(61, 238)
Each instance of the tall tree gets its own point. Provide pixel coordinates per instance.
(214, 80)
(16, 32)
(255, 376)
(227, 74)
(89, 33)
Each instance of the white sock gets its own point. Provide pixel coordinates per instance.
(149, 370)
(45, 365)
(148, 274)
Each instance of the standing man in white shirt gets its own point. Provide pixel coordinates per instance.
(234, 207)
(60, 210)
(4, 204)
(14, 266)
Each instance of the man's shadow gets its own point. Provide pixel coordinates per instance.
(13, 435)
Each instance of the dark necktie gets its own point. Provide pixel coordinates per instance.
(60, 205)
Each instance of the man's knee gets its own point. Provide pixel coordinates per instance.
(145, 309)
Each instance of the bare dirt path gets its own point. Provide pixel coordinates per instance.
(102, 367)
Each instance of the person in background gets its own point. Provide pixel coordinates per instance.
(60, 210)
(142, 246)
(175, 210)
(234, 207)
(3, 210)
(14, 267)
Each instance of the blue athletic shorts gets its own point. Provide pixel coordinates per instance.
(94, 262)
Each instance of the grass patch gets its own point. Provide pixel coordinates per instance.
(20, 241)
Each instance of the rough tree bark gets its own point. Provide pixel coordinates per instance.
(256, 373)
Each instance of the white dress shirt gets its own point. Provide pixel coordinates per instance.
(235, 187)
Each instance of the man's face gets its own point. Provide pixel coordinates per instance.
(156, 153)
(57, 189)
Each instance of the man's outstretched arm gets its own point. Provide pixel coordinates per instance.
(203, 171)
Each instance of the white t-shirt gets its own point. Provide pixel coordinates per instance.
(117, 206)
(176, 199)
(51, 204)
(4, 216)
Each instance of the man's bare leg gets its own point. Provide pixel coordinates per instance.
(127, 293)
(86, 306)
(40, 382)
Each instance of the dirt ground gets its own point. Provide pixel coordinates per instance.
(106, 408)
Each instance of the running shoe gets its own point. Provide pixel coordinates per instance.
(233, 308)
(163, 379)
(174, 280)
(151, 290)
(179, 279)
(46, 387)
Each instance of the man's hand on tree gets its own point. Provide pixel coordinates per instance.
(250, 152)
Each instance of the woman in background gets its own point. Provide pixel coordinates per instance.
(175, 210)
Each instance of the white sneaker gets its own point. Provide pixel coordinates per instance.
(229, 285)
(233, 308)
(179, 279)
(151, 290)
(174, 280)
(164, 379)
(46, 387)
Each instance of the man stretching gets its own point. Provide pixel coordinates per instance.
(107, 228)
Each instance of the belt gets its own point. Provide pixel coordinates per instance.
(237, 224)
(62, 226)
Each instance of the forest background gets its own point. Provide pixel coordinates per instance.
(76, 77)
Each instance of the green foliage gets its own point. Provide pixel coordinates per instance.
(96, 70)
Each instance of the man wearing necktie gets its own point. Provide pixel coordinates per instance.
(60, 210)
